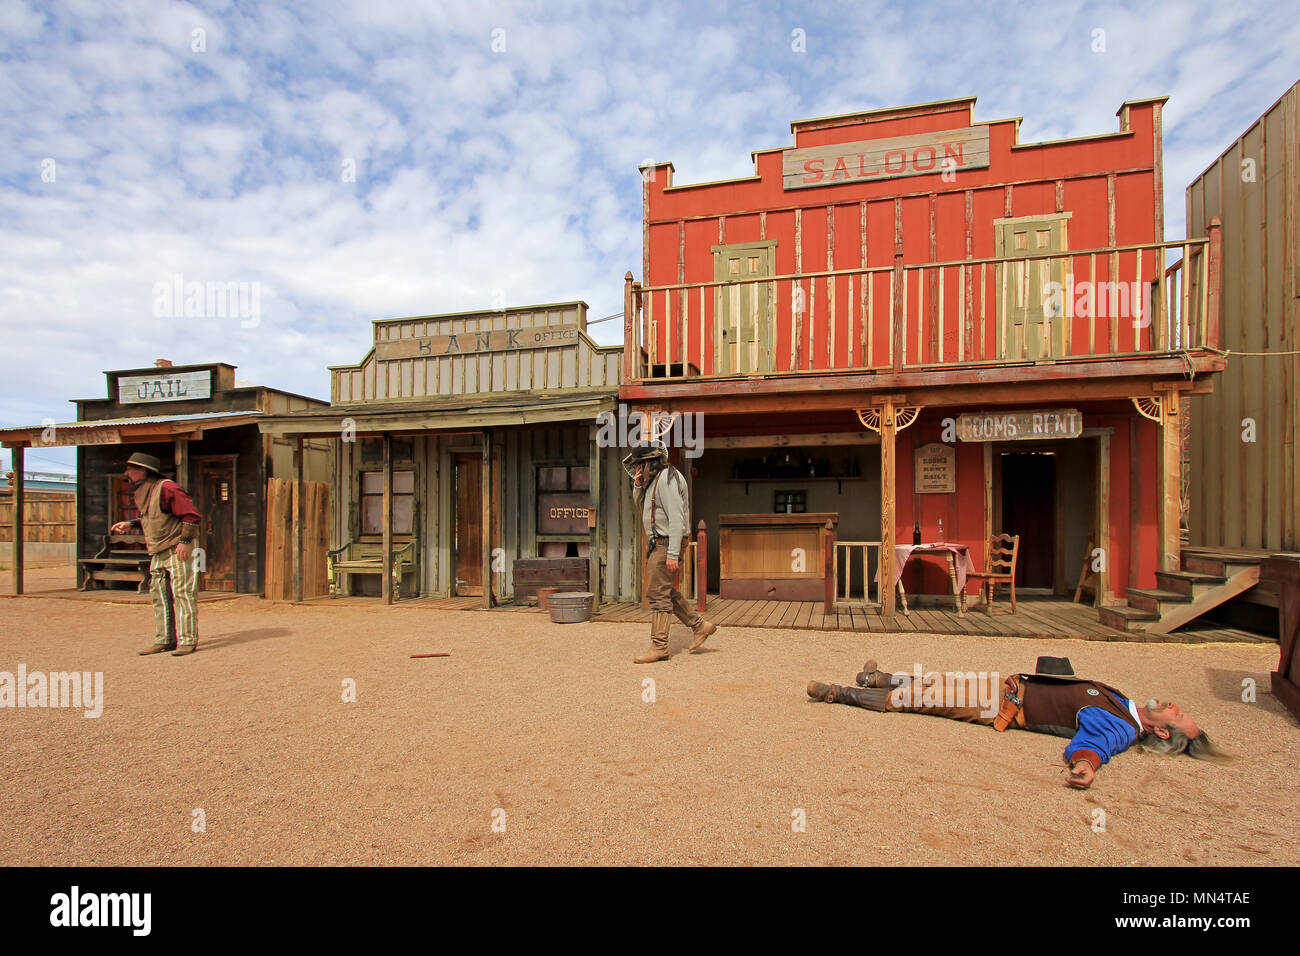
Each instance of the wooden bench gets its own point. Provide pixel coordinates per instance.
(117, 561)
(366, 557)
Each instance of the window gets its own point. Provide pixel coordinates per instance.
(372, 501)
(563, 500)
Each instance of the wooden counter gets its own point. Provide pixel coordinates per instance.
(757, 559)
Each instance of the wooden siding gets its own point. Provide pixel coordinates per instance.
(1243, 493)
(584, 365)
(520, 452)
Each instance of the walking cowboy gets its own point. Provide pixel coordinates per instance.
(660, 494)
(170, 524)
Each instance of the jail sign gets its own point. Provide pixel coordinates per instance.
(1014, 426)
(563, 512)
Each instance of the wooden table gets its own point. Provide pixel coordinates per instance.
(959, 565)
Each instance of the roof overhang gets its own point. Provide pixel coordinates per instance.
(461, 416)
(123, 431)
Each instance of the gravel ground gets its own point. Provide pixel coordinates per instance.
(545, 728)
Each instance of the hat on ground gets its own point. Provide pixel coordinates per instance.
(141, 460)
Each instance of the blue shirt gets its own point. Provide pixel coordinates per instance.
(1101, 732)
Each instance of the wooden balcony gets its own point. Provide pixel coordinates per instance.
(1116, 302)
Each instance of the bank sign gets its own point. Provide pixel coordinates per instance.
(1013, 426)
(951, 150)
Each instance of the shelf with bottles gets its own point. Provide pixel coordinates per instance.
(793, 465)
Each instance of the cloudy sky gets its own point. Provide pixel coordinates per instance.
(355, 161)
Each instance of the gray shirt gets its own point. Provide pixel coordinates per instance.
(669, 494)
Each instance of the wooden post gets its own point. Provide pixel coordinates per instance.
(386, 584)
(1214, 320)
(486, 498)
(19, 502)
(299, 506)
(887, 440)
(594, 523)
(988, 504)
(1171, 480)
(181, 456)
(701, 566)
(629, 338)
(1103, 519)
(828, 569)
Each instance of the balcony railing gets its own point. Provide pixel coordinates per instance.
(1113, 301)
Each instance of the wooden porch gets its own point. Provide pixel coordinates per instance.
(1052, 618)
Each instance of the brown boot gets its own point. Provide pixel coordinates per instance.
(158, 649)
(702, 629)
(873, 676)
(658, 651)
(185, 649)
(818, 691)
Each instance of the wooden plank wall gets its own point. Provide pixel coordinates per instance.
(584, 365)
(1243, 493)
(521, 450)
(281, 500)
(45, 518)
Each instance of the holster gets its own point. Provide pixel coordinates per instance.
(1013, 705)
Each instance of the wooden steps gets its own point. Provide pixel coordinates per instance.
(1206, 581)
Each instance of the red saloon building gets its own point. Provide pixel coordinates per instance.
(909, 321)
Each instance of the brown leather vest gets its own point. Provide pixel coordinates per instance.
(1052, 704)
(162, 531)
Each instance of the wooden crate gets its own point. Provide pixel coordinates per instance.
(568, 574)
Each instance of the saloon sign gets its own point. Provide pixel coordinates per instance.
(946, 151)
(1012, 426)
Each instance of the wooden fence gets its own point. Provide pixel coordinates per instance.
(52, 519)
(281, 505)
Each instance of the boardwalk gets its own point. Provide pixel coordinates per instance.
(1035, 618)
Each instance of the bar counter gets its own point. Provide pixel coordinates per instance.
(757, 557)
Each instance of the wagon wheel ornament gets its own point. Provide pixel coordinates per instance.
(1148, 406)
(903, 416)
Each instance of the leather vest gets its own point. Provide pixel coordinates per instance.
(1052, 704)
(162, 531)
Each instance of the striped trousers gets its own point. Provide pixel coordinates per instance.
(174, 587)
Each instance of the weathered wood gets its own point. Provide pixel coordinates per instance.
(486, 518)
(701, 566)
(386, 558)
(1104, 595)
(19, 500)
(894, 157)
(887, 531)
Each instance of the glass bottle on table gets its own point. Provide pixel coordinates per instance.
(940, 541)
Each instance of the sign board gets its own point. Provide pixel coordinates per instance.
(470, 343)
(1012, 426)
(174, 387)
(920, 154)
(78, 436)
(935, 469)
(563, 512)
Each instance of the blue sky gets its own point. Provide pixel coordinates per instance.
(494, 148)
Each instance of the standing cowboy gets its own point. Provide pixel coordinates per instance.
(170, 524)
(661, 497)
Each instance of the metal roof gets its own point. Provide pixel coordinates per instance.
(155, 420)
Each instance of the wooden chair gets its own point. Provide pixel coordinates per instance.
(1003, 550)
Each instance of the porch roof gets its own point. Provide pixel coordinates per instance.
(115, 431)
(454, 413)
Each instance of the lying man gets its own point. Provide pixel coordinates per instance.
(1099, 720)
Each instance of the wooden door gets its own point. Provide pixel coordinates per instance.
(468, 546)
(216, 502)
(1034, 317)
(744, 326)
(1029, 510)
